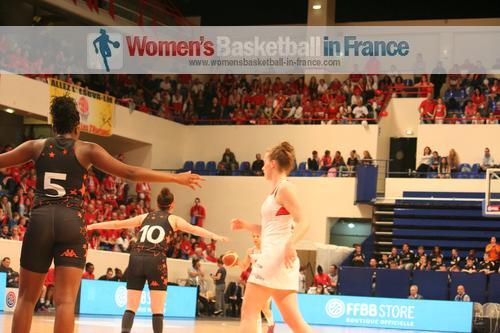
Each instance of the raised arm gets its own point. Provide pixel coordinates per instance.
(287, 197)
(178, 223)
(117, 224)
(28, 151)
(107, 163)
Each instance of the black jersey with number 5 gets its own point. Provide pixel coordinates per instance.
(155, 235)
(59, 175)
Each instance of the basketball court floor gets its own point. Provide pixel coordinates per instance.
(90, 324)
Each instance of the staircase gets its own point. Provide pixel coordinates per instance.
(382, 224)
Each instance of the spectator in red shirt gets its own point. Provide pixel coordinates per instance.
(326, 161)
(143, 191)
(198, 213)
(426, 109)
(479, 101)
(439, 111)
(89, 272)
(470, 111)
(321, 278)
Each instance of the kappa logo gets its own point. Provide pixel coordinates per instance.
(335, 308)
(105, 50)
(121, 296)
(69, 253)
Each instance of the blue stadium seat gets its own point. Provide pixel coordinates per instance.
(200, 165)
(474, 284)
(439, 242)
(392, 283)
(355, 281)
(475, 168)
(302, 166)
(432, 174)
(294, 174)
(431, 285)
(211, 166)
(244, 166)
(188, 165)
(306, 173)
(448, 233)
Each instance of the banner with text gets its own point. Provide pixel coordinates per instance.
(251, 49)
(401, 314)
(96, 109)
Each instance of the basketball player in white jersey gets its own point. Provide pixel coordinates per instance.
(246, 265)
(276, 271)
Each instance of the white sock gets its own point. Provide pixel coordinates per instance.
(259, 324)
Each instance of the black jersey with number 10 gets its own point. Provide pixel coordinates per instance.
(155, 235)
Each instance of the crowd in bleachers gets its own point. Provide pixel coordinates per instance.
(433, 261)
(328, 165)
(432, 165)
(469, 99)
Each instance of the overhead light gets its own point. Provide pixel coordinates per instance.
(317, 6)
(351, 225)
(409, 132)
(9, 110)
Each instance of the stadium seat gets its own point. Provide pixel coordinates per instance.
(245, 168)
(302, 166)
(475, 168)
(211, 166)
(494, 288)
(199, 166)
(188, 165)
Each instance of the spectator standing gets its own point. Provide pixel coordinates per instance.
(257, 165)
(198, 213)
(234, 294)
(461, 295)
(220, 286)
(414, 293)
(493, 249)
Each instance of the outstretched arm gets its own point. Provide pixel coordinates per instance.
(117, 224)
(178, 223)
(239, 224)
(23, 153)
(107, 163)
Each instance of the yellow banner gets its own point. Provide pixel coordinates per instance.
(96, 109)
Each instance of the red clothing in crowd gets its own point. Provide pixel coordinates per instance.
(428, 107)
(88, 276)
(198, 211)
(323, 279)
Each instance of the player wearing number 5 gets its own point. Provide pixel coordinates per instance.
(57, 230)
(148, 258)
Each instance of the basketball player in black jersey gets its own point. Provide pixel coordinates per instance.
(148, 258)
(57, 229)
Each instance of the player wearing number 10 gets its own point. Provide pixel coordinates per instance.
(57, 229)
(148, 258)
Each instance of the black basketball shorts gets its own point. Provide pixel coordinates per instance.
(142, 268)
(54, 232)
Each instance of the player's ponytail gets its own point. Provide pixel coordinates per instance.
(64, 113)
(284, 155)
(165, 199)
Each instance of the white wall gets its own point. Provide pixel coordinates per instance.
(226, 198)
(207, 143)
(394, 187)
(469, 141)
(402, 116)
